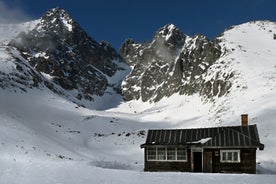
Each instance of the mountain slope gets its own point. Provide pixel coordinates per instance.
(59, 49)
(171, 63)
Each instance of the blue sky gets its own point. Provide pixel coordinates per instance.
(116, 20)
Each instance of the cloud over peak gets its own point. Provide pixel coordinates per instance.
(9, 14)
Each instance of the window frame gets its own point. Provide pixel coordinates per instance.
(227, 156)
(171, 154)
(150, 157)
(153, 156)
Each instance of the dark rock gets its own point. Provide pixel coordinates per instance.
(171, 63)
(58, 46)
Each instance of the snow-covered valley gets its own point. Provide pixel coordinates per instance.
(46, 139)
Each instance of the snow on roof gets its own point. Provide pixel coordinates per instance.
(201, 141)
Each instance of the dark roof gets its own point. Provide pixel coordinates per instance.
(222, 137)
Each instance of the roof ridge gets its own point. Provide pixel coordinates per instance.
(201, 128)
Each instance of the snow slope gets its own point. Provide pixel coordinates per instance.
(253, 58)
(45, 138)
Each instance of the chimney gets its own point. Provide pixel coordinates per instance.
(244, 119)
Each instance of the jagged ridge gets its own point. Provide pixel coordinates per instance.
(59, 47)
(171, 63)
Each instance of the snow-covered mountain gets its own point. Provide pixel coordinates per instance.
(70, 62)
(49, 67)
(171, 63)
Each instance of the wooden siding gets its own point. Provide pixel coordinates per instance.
(211, 163)
(247, 163)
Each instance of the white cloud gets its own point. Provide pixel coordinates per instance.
(10, 14)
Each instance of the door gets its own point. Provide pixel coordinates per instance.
(207, 162)
(197, 161)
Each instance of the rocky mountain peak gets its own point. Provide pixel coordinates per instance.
(56, 12)
(57, 18)
(60, 48)
(170, 35)
(166, 31)
(171, 63)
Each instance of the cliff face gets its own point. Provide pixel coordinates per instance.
(171, 63)
(61, 49)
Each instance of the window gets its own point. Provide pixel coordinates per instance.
(181, 154)
(161, 153)
(171, 153)
(151, 153)
(167, 154)
(230, 156)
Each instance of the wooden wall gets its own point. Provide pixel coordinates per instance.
(247, 163)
